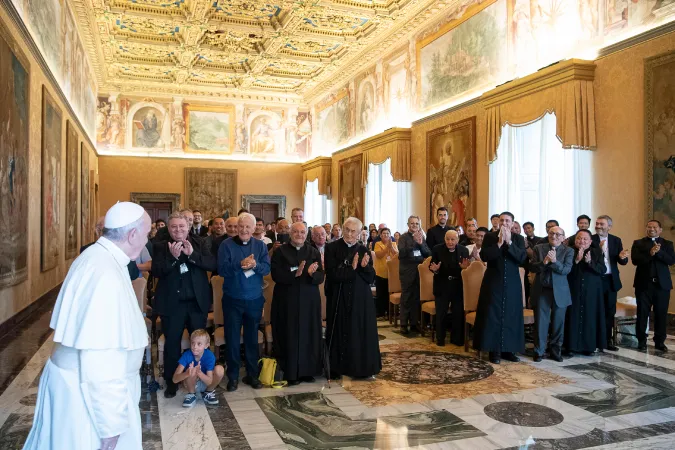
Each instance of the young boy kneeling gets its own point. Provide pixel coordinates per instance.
(197, 370)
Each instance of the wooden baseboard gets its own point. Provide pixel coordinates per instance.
(44, 302)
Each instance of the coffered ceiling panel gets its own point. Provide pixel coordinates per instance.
(238, 47)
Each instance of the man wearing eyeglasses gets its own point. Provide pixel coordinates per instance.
(412, 249)
(551, 263)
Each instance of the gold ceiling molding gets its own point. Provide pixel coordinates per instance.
(235, 48)
(318, 168)
(565, 88)
(393, 143)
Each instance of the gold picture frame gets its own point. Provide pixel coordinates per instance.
(209, 143)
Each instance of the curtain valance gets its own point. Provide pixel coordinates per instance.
(317, 168)
(565, 89)
(393, 143)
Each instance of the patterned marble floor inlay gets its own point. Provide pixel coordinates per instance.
(312, 420)
(634, 392)
(506, 378)
(424, 367)
(524, 414)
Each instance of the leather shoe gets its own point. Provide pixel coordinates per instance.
(494, 358)
(170, 391)
(293, 382)
(642, 346)
(404, 330)
(307, 379)
(556, 357)
(440, 344)
(661, 347)
(537, 358)
(253, 382)
(612, 348)
(414, 329)
(510, 357)
(232, 385)
(567, 354)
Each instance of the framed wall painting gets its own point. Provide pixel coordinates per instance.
(209, 129)
(14, 140)
(72, 158)
(351, 195)
(659, 139)
(85, 222)
(50, 240)
(451, 171)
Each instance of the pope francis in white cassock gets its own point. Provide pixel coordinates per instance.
(90, 388)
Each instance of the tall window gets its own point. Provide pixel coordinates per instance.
(387, 201)
(317, 207)
(537, 180)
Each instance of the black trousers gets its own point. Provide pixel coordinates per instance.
(382, 292)
(186, 315)
(456, 303)
(657, 298)
(609, 297)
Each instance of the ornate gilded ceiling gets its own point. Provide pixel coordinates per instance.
(280, 50)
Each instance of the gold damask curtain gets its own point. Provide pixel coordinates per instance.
(565, 89)
(394, 144)
(317, 168)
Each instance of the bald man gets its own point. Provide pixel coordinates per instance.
(447, 262)
(231, 225)
(550, 294)
(283, 233)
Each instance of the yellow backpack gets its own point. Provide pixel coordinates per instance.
(268, 373)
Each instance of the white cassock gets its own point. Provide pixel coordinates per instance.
(90, 387)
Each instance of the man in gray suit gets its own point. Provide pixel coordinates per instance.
(550, 294)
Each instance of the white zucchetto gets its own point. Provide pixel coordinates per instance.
(121, 214)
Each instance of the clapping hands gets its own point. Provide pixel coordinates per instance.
(193, 370)
(248, 262)
(434, 267)
(550, 257)
(364, 261)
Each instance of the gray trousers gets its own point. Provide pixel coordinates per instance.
(546, 314)
(410, 303)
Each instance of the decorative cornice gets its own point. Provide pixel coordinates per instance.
(638, 39)
(318, 162)
(25, 35)
(553, 75)
(390, 135)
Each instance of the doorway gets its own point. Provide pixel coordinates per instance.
(157, 210)
(157, 205)
(268, 212)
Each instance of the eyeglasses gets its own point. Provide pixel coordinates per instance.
(556, 234)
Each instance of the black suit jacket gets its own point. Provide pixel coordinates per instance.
(203, 231)
(641, 258)
(443, 286)
(166, 269)
(615, 247)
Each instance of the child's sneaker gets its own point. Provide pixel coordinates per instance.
(210, 397)
(189, 401)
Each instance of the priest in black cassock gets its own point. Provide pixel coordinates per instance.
(499, 327)
(585, 327)
(296, 324)
(351, 331)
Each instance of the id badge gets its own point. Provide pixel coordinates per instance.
(249, 273)
(293, 269)
(183, 268)
(417, 253)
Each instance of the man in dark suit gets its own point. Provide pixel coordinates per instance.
(183, 294)
(197, 228)
(614, 254)
(436, 234)
(652, 255)
(272, 234)
(551, 292)
(447, 261)
(583, 223)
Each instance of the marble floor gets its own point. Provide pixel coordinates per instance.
(426, 397)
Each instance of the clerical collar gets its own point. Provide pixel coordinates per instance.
(238, 241)
(348, 244)
(451, 249)
(297, 248)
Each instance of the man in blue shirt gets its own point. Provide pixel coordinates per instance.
(243, 261)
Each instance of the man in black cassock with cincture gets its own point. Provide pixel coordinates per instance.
(351, 324)
(499, 327)
(296, 327)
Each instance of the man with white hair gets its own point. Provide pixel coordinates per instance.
(296, 322)
(243, 261)
(90, 388)
(412, 250)
(183, 295)
(132, 267)
(351, 329)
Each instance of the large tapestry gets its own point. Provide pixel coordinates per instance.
(660, 141)
(14, 116)
(211, 191)
(209, 129)
(451, 170)
(72, 141)
(84, 201)
(350, 193)
(51, 182)
(463, 56)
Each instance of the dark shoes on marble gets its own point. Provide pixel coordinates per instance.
(232, 385)
(307, 379)
(293, 382)
(642, 346)
(170, 391)
(537, 358)
(509, 356)
(494, 358)
(405, 330)
(612, 348)
(661, 347)
(440, 344)
(253, 382)
(557, 357)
